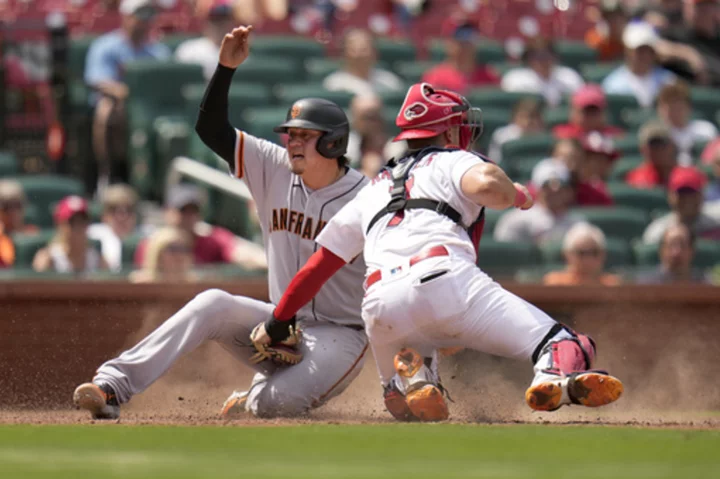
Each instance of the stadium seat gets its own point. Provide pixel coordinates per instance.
(45, 190)
(287, 94)
(493, 118)
(129, 246)
(623, 166)
(8, 164)
(501, 68)
(707, 254)
(556, 116)
(289, 46)
(705, 100)
(174, 41)
(271, 70)
(503, 260)
(393, 98)
(27, 245)
(155, 91)
(534, 146)
(619, 254)
(412, 71)
(628, 145)
(32, 214)
(648, 200)
(497, 98)
(574, 53)
(597, 72)
(261, 121)
(77, 90)
(393, 50)
(617, 222)
(316, 69)
(491, 219)
(619, 106)
(488, 50)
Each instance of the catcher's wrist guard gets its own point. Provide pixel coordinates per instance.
(279, 330)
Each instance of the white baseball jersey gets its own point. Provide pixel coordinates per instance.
(437, 176)
(291, 217)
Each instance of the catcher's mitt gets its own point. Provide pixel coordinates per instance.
(277, 341)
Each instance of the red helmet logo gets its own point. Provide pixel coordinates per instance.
(414, 111)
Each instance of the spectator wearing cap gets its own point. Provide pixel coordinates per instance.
(460, 71)
(692, 49)
(588, 113)
(104, 68)
(585, 173)
(210, 244)
(594, 170)
(359, 75)
(712, 192)
(70, 250)
(169, 258)
(542, 74)
(551, 217)
(119, 221)
(676, 251)
(659, 157)
(641, 76)
(584, 248)
(606, 36)
(674, 109)
(685, 197)
(205, 50)
(527, 119)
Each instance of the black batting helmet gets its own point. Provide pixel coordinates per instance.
(322, 115)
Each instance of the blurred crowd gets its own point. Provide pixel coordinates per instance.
(656, 51)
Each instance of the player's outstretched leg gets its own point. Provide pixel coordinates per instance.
(423, 399)
(100, 400)
(563, 375)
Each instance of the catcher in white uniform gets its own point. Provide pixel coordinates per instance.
(418, 224)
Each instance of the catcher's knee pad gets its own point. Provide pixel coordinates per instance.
(567, 355)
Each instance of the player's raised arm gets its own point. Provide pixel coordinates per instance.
(213, 125)
(487, 184)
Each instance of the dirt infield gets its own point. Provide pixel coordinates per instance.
(667, 355)
(193, 391)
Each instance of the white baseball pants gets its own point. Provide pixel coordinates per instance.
(448, 301)
(333, 355)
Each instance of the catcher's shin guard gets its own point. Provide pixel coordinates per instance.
(424, 398)
(564, 375)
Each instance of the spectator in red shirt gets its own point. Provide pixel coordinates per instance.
(659, 155)
(210, 244)
(460, 71)
(588, 113)
(591, 173)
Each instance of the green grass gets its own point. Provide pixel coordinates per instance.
(376, 451)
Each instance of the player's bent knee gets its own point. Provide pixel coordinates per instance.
(212, 298)
(275, 402)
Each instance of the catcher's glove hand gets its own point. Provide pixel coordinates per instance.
(277, 341)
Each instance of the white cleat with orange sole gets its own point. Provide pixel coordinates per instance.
(589, 389)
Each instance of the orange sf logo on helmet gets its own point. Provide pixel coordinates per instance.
(295, 112)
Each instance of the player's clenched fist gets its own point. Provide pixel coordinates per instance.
(235, 47)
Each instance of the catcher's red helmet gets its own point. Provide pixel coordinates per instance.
(427, 112)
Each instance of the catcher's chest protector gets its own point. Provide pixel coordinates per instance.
(400, 200)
